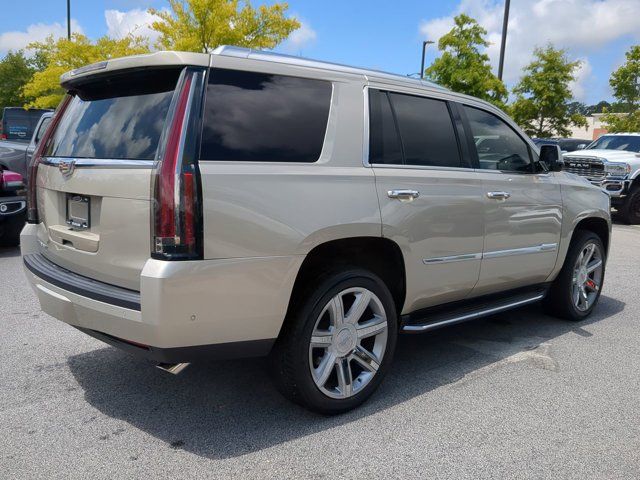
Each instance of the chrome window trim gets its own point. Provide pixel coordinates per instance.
(98, 162)
(366, 135)
(544, 247)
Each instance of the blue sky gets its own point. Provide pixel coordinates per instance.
(387, 35)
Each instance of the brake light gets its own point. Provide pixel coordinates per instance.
(32, 171)
(176, 217)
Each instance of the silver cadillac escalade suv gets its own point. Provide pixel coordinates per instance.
(186, 206)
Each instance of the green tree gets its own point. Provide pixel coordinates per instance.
(462, 67)
(62, 55)
(15, 71)
(625, 82)
(542, 104)
(202, 25)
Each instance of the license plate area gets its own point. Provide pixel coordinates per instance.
(78, 212)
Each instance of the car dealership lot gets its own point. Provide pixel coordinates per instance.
(518, 395)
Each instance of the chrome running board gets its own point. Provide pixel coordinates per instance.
(432, 319)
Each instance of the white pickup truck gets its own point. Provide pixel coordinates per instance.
(613, 163)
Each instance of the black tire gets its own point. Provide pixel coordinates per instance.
(559, 301)
(631, 207)
(290, 358)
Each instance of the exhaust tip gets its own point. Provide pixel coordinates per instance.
(173, 368)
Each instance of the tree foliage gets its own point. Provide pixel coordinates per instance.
(15, 70)
(62, 55)
(542, 104)
(625, 82)
(462, 67)
(202, 25)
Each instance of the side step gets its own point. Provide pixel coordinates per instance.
(458, 312)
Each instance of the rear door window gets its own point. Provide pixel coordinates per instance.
(261, 117)
(120, 118)
(426, 130)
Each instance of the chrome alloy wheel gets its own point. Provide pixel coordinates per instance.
(587, 277)
(348, 343)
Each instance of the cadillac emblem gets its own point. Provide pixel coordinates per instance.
(67, 168)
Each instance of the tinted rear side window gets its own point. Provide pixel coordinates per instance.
(262, 117)
(120, 118)
(426, 131)
(384, 143)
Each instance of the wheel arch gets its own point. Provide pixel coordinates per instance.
(597, 225)
(380, 255)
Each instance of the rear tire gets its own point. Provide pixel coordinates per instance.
(576, 291)
(337, 342)
(631, 207)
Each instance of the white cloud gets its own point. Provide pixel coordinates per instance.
(299, 39)
(137, 22)
(35, 32)
(582, 77)
(579, 26)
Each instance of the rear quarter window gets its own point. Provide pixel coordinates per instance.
(262, 117)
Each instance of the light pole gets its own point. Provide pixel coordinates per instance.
(68, 19)
(503, 43)
(424, 49)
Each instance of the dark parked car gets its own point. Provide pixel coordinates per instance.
(565, 144)
(19, 124)
(15, 155)
(13, 207)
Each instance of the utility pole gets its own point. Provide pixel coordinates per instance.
(505, 22)
(68, 19)
(424, 49)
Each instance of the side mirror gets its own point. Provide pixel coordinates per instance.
(581, 146)
(551, 155)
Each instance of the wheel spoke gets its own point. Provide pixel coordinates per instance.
(373, 327)
(588, 253)
(576, 295)
(324, 370)
(358, 308)
(336, 311)
(594, 265)
(365, 358)
(584, 297)
(345, 380)
(321, 339)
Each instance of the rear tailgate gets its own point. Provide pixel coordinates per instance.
(94, 179)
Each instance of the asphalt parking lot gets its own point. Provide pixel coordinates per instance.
(518, 395)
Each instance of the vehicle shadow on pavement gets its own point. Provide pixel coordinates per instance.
(230, 408)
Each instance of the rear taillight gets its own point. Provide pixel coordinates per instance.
(177, 219)
(32, 170)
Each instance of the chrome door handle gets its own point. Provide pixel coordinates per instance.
(498, 195)
(403, 195)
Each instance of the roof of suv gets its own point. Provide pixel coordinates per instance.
(165, 58)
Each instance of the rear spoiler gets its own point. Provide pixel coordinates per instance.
(151, 60)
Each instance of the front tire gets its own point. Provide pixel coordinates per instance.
(576, 291)
(631, 207)
(337, 342)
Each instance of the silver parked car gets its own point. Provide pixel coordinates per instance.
(240, 203)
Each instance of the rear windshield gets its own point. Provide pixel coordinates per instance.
(118, 118)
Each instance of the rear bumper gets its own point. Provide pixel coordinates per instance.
(185, 311)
